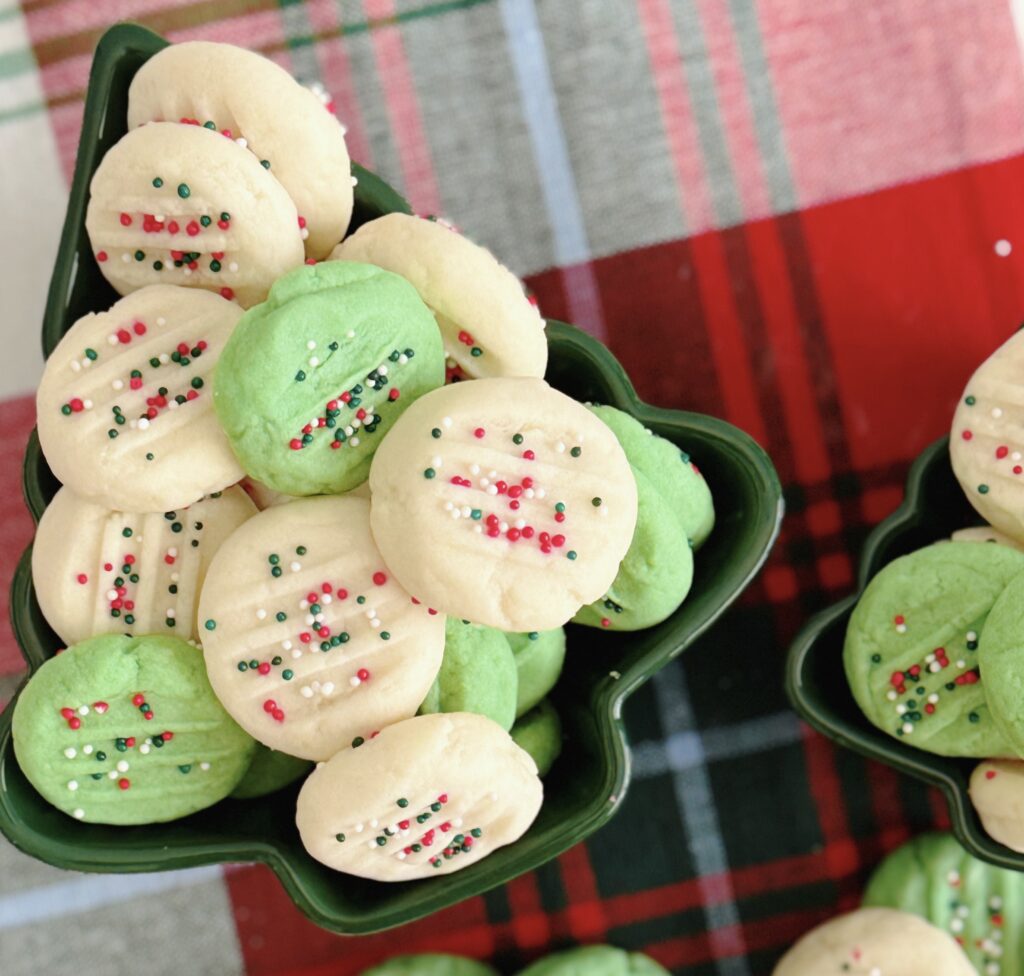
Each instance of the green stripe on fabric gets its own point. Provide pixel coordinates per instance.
(16, 63)
(9, 115)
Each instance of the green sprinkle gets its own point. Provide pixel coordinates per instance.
(101, 757)
(209, 125)
(403, 802)
(169, 621)
(343, 637)
(172, 589)
(276, 571)
(211, 625)
(970, 401)
(596, 502)
(429, 473)
(300, 550)
(982, 489)
(158, 266)
(175, 526)
(274, 559)
(381, 841)
(66, 410)
(225, 216)
(300, 376)
(265, 163)
(476, 831)
(157, 182)
(576, 451)
(140, 255)
(205, 221)
(876, 658)
(91, 354)
(183, 190)
(517, 438)
(357, 741)
(187, 768)
(436, 433)
(476, 514)
(360, 600)
(275, 660)
(215, 265)
(281, 616)
(436, 807)
(560, 507)
(571, 554)
(127, 533)
(476, 351)
(287, 674)
(974, 718)
(385, 635)
(340, 838)
(242, 666)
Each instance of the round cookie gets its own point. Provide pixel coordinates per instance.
(875, 942)
(315, 376)
(539, 657)
(478, 674)
(269, 772)
(669, 469)
(427, 796)
(997, 792)
(985, 445)
(181, 205)
(539, 732)
(979, 904)
(503, 502)
(911, 653)
(260, 106)
(1001, 657)
(489, 326)
(310, 642)
(123, 730)
(431, 964)
(596, 960)
(100, 571)
(985, 533)
(655, 575)
(124, 409)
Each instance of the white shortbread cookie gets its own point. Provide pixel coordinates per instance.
(310, 642)
(986, 444)
(503, 502)
(181, 205)
(99, 571)
(875, 942)
(105, 427)
(985, 533)
(997, 792)
(260, 106)
(489, 326)
(428, 796)
(265, 497)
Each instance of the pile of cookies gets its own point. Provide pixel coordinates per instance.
(934, 651)
(318, 503)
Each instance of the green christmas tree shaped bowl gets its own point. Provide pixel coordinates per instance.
(602, 668)
(934, 506)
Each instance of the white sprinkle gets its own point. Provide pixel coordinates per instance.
(997, 412)
(233, 266)
(492, 489)
(540, 493)
(83, 709)
(303, 604)
(971, 635)
(112, 339)
(261, 614)
(560, 447)
(125, 257)
(122, 766)
(76, 366)
(70, 752)
(173, 552)
(87, 750)
(528, 493)
(295, 567)
(349, 431)
(484, 482)
(503, 526)
(311, 345)
(382, 370)
(908, 727)
(963, 911)
(171, 613)
(78, 814)
(956, 924)
(143, 423)
(306, 691)
(446, 421)
(400, 855)
(144, 749)
(326, 598)
(403, 359)
(375, 623)
(901, 709)
(172, 404)
(318, 619)
(374, 824)
(891, 695)
(359, 828)
(350, 334)
(493, 474)
(188, 272)
(72, 785)
(935, 666)
(314, 361)
(353, 442)
(448, 506)
(520, 523)
(466, 511)
(161, 320)
(243, 142)
(204, 766)
(475, 469)
(87, 404)
(112, 774)
(354, 681)
(478, 528)
(933, 698)
(995, 902)
(436, 460)
(1003, 247)
(356, 423)
(901, 628)
(297, 653)
(961, 664)
(328, 687)
(165, 358)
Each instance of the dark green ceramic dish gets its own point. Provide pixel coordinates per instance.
(934, 506)
(602, 669)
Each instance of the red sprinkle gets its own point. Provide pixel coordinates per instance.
(605, 622)
(167, 736)
(75, 723)
(139, 329)
(529, 455)
(130, 741)
(173, 228)
(269, 705)
(363, 675)
(479, 432)
(138, 699)
(1001, 452)
(101, 256)
(124, 783)
(126, 220)
(380, 578)
(393, 393)
(227, 293)
(264, 668)
(192, 228)
(67, 713)
(100, 707)
(124, 336)
(82, 578)
(990, 774)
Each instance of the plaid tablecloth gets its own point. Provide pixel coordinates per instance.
(802, 215)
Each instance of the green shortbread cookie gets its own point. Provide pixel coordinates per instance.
(539, 732)
(431, 964)
(127, 730)
(313, 378)
(1001, 656)
(911, 652)
(670, 470)
(980, 905)
(539, 657)
(655, 575)
(478, 674)
(599, 960)
(269, 772)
